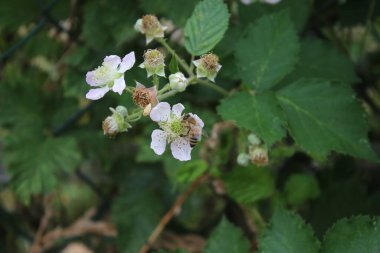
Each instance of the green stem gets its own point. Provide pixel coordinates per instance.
(166, 95)
(156, 81)
(135, 115)
(164, 89)
(213, 86)
(173, 53)
(368, 25)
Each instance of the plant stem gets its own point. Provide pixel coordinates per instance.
(368, 25)
(166, 95)
(156, 81)
(164, 89)
(213, 86)
(173, 53)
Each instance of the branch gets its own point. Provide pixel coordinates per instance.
(173, 210)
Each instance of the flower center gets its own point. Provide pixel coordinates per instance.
(210, 62)
(105, 74)
(150, 23)
(153, 58)
(176, 127)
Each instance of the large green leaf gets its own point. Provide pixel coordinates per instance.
(259, 113)
(321, 60)
(301, 187)
(249, 184)
(226, 238)
(268, 51)
(288, 233)
(35, 164)
(358, 234)
(206, 26)
(323, 117)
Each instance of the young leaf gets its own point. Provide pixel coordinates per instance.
(249, 184)
(227, 238)
(259, 113)
(268, 51)
(206, 26)
(323, 117)
(358, 234)
(288, 233)
(173, 65)
(301, 187)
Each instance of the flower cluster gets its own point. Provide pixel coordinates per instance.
(257, 153)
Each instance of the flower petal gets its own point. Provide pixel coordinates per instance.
(181, 149)
(128, 62)
(139, 26)
(119, 85)
(158, 143)
(91, 80)
(95, 94)
(198, 120)
(112, 61)
(178, 109)
(160, 112)
(197, 62)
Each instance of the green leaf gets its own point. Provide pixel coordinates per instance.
(259, 113)
(301, 187)
(206, 26)
(190, 171)
(226, 238)
(35, 166)
(357, 234)
(249, 184)
(320, 60)
(268, 51)
(323, 117)
(288, 233)
(173, 65)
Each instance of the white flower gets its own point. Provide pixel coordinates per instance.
(151, 27)
(173, 131)
(154, 63)
(259, 155)
(178, 81)
(109, 76)
(208, 66)
(116, 123)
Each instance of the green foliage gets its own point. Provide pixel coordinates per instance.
(288, 233)
(301, 187)
(357, 234)
(190, 171)
(249, 184)
(259, 113)
(226, 238)
(268, 51)
(206, 26)
(173, 65)
(320, 125)
(13, 19)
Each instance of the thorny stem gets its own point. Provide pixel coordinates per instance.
(173, 210)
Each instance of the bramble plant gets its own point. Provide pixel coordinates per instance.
(184, 126)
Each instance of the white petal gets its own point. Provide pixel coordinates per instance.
(119, 85)
(181, 149)
(160, 112)
(161, 71)
(178, 109)
(112, 61)
(197, 62)
(149, 39)
(91, 80)
(158, 143)
(139, 85)
(139, 26)
(218, 68)
(198, 120)
(142, 65)
(128, 62)
(95, 94)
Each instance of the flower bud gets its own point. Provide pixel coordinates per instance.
(116, 123)
(254, 140)
(153, 63)
(178, 82)
(208, 66)
(243, 159)
(259, 155)
(151, 27)
(145, 98)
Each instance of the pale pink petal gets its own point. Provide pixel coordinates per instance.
(91, 80)
(181, 149)
(119, 85)
(95, 94)
(198, 120)
(128, 62)
(111, 61)
(178, 109)
(160, 112)
(158, 143)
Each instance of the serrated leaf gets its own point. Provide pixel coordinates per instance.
(321, 60)
(259, 113)
(226, 238)
(173, 65)
(249, 184)
(206, 26)
(288, 233)
(323, 117)
(268, 51)
(357, 234)
(301, 187)
(35, 167)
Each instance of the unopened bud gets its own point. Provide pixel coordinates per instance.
(178, 82)
(116, 123)
(208, 66)
(151, 27)
(254, 140)
(154, 63)
(259, 156)
(243, 159)
(145, 98)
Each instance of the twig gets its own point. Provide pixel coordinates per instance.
(173, 210)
